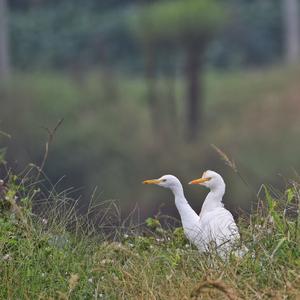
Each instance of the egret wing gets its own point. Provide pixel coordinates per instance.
(219, 226)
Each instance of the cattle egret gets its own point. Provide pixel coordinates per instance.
(215, 225)
(217, 222)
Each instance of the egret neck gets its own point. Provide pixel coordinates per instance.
(187, 214)
(213, 199)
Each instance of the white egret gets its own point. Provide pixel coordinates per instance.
(215, 225)
(189, 218)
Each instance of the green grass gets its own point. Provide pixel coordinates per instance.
(52, 252)
(55, 253)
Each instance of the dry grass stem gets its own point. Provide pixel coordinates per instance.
(216, 284)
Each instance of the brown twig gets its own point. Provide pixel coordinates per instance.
(5, 134)
(231, 163)
(51, 133)
(224, 156)
(217, 284)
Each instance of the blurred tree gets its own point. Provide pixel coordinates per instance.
(150, 57)
(189, 25)
(253, 36)
(4, 48)
(292, 30)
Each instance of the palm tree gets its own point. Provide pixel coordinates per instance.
(187, 25)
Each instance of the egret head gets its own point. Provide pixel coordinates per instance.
(211, 180)
(166, 181)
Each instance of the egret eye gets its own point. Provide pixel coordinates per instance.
(164, 180)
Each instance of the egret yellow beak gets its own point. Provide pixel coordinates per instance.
(152, 181)
(200, 180)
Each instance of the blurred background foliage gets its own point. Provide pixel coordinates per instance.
(138, 101)
(59, 34)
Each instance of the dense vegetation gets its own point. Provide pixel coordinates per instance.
(54, 253)
(65, 34)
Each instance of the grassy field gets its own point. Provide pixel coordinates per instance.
(50, 251)
(54, 253)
